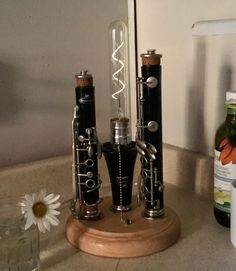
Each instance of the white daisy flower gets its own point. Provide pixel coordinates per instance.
(40, 209)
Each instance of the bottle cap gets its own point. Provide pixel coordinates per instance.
(231, 97)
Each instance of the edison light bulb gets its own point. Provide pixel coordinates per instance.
(119, 68)
(120, 153)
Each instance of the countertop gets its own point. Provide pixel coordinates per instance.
(203, 244)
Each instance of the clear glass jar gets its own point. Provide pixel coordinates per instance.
(19, 248)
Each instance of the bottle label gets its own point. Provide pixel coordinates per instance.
(224, 174)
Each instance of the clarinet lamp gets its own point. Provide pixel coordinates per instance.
(121, 225)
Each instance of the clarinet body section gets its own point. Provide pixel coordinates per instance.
(86, 151)
(149, 135)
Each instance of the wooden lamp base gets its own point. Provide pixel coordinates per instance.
(110, 237)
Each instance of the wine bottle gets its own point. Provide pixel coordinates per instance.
(225, 162)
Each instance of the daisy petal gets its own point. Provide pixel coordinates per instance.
(42, 194)
(34, 197)
(49, 197)
(53, 199)
(40, 225)
(21, 204)
(53, 212)
(46, 224)
(27, 209)
(29, 199)
(53, 220)
(29, 222)
(54, 206)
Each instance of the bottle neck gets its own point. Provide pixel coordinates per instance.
(231, 113)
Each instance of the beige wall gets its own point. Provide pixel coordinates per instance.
(43, 44)
(196, 70)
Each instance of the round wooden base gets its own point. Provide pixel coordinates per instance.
(110, 237)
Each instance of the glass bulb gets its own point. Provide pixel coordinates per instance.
(119, 67)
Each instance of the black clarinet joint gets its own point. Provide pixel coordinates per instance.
(149, 135)
(86, 150)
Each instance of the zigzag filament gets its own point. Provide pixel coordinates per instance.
(114, 95)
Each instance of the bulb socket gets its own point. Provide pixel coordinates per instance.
(120, 131)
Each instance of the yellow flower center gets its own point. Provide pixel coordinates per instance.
(39, 209)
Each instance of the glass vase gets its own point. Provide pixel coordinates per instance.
(19, 248)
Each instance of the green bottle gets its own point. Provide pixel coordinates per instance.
(225, 162)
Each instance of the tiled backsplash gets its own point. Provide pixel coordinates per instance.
(190, 171)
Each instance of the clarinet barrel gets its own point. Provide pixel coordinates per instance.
(86, 150)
